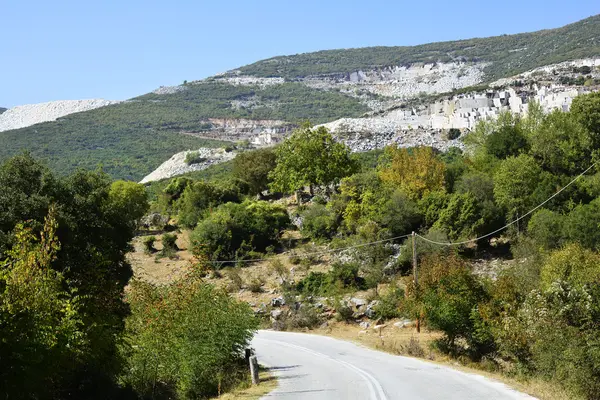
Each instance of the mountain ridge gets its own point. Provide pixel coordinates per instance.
(132, 138)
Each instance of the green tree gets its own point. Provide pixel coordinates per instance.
(254, 167)
(560, 143)
(186, 340)
(310, 157)
(546, 227)
(415, 171)
(586, 110)
(42, 334)
(515, 184)
(507, 139)
(128, 198)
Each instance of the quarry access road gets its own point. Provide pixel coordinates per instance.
(318, 367)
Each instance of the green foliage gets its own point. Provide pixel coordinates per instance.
(232, 230)
(201, 196)
(253, 167)
(388, 306)
(573, 41)
(341, 278)
(128, 198)
(450, 296)
(461, 219)
(42, 333)
(582, 225)
(586, 110)
(319, 222)
(546, 227)
(416, 171)
(560, 143)
(515, 182)
(186, 340)
(96, 222)
(507, 139)
(168, 242)
(310, 157)
(193, 157)
(573, 264)
(148, 242)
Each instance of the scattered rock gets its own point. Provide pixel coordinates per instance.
(278, 301)
(365, 325)
(275, 314)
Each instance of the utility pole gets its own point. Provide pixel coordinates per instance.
(416, 276)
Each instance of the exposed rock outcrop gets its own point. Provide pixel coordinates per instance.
(177, 165)
(31, 114)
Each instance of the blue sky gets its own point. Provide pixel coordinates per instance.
(117, 49)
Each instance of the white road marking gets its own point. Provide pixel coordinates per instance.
(375, 387)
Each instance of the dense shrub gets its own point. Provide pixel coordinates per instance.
(341, 277)
(389, 304)
(148, 243)
(185, 340)
(319, 222)
(199, 197)
(233, 230)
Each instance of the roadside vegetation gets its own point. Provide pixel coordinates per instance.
(532, 318)
(314, 225)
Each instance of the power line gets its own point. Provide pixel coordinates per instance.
(315, 253)
(510, 223)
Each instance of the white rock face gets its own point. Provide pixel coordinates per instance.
(176, 165)
(31, 114)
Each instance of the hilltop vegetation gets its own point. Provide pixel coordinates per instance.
(509, 54)
(131, 139)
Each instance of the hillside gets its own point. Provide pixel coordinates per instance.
(132, 138)
(31, 114)
(507, 54)
(2, 109)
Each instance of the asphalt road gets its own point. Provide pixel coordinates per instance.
(317, 367)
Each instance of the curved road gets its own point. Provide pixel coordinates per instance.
(319, 367)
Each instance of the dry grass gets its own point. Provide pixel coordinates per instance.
(268, 383)
(156, 270)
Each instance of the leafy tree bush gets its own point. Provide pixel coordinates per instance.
(253, 167)
(585, 109)
(450, 296)
(186, 340)
(41, 326)
(232, 230)
(415, 171)
(515, 183)
(310, 157)
(194, 157)
(508, 139)
(340, 278)
(546, 227)
(560, 143)
(319, 222)
(199, 197)
(573, 264)
(169, 244)
(149, 244)
(96, 222)
(582, 224)
(389, 304)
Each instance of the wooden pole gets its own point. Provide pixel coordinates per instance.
(416, 277)
(254, 370)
